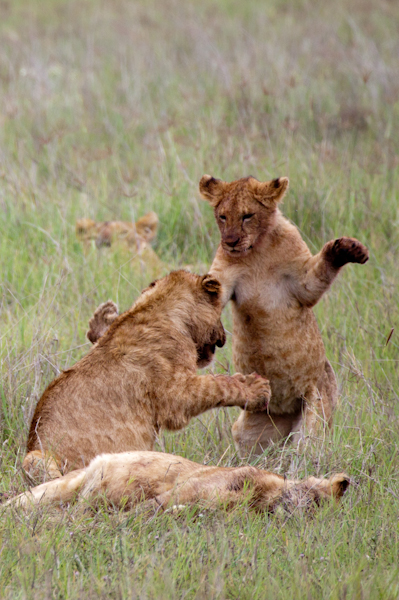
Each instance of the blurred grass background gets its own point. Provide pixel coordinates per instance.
(112, 108)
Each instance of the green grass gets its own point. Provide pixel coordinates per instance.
(112, 108)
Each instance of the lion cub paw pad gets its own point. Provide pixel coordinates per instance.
(346, 250)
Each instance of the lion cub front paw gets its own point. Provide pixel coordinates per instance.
(345, 250)
(257, 391)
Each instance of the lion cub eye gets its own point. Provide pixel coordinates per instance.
(222, 218)
(247, 217)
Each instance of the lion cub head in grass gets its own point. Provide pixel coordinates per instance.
(245, 210)
(134, 235)
(136, 238)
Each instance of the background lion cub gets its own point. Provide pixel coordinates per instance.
(273, 280)
(139, 376)
(135, 237)
(105, 234)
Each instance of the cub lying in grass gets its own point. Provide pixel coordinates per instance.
(139, 377)
(135, 237)
(273, 280)
(105, 234)
(130, 477)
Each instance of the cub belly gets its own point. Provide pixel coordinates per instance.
(286, 349)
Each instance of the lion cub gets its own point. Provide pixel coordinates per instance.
(139, 376)
(106, 314)
(134, 235)
(273, 280)
(130, 477)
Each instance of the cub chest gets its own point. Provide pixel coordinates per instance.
(269, 293)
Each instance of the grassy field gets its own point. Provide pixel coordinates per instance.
(110, 108)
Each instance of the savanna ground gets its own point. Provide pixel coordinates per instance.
(112, 108)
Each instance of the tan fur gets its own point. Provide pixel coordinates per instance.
(86, 229)
(135, 235)
(125, 479)
(140, 376)
(101, 321)
(273, 280)
(106, 314)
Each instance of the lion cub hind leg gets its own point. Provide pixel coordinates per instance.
(254, 432)
(40, 467)
(316, 414)
(329, 389)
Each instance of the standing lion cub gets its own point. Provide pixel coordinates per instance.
(139, 376)
(273, 280)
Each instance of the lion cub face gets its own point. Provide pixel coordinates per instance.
(147, 226)
(136, 235)
(244, 209)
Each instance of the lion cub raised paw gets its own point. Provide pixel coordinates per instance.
(345, 250)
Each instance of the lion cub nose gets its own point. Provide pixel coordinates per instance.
(231, 241)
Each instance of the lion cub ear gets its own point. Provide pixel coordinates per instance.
(211, 189)
(147, 226)
(85, 228)
(101, 321)
(211, 285)
(267, 192)
(339, 484)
